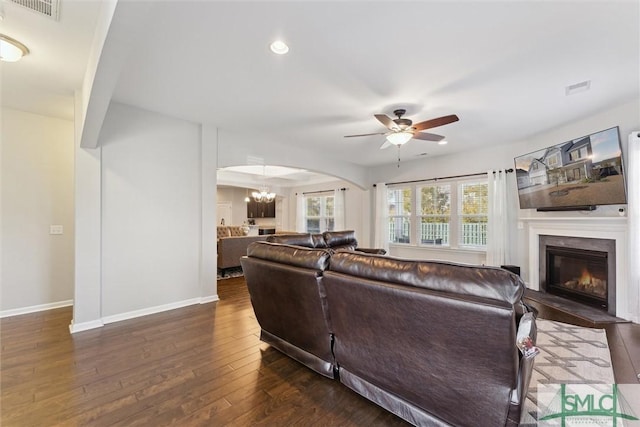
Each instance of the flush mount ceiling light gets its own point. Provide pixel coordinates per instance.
(11, 50)
(399, 138)
(443, 142)
(279, 47)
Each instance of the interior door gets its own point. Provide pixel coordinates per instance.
(223, 212)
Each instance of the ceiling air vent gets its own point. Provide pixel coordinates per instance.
(48, 8)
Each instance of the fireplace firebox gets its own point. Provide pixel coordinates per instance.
(580, 269)
(578, 274)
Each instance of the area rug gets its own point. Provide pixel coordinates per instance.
(231, 272)
(570, 355)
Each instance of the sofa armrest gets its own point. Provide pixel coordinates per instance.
(375, 251)
(525, 342)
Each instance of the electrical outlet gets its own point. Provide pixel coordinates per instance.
(56, 229)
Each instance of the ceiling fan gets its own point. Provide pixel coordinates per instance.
(402, 130)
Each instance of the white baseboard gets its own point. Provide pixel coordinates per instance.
(211, 298)
(150, 310)
(85, 326)
(35, 308)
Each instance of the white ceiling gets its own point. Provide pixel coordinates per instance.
(502, 67)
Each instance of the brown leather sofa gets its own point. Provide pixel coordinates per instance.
(334, 240)
(432, 342)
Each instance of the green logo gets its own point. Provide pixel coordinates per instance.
(584, 404)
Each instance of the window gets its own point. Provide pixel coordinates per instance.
(453, 214)
(434, 215)
(473, 211)
(319, 213)
(399, 205)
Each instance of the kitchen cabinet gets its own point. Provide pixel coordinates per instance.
(261, 209)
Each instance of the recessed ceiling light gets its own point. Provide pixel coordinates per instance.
(443, 142)
(11, 50)
(279, 47)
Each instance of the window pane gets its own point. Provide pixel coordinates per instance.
(330, 224)
(473, 212)
(434, 230)
(399, 229)
(328, 206)
(475, 198)
(435, 200)
(313, 206)
(474, 231)
(399, 201)
(313, 225)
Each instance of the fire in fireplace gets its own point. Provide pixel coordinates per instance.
(578, 274)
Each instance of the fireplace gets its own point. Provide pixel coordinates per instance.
(580, 269)
(578, 274)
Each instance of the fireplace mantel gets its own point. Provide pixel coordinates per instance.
(614, 228)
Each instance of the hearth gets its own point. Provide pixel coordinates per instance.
(580, 269)
(578, 274)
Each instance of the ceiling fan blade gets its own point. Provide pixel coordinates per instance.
(434, 123)
(365, 134)
(386, 144)
(386, 121)
(428, 136)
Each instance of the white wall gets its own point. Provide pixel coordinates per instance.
(625, 115)
(151, 210)
(37, 191)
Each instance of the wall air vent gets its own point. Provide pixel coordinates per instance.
(48, 8)
(577, 88)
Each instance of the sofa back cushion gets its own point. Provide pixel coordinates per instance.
(236, 230)
(340, 239)
(299, 239)
(316, 259)
(468, 280)
(223, 231)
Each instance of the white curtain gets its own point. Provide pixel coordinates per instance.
(300, 225)
(633, 211)
(498, 222)
(338, 210)
(381, 233)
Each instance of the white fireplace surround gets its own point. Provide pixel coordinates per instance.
(590, 227)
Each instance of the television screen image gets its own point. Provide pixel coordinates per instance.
(586, 171)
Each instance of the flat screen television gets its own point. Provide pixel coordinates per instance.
(578, 174)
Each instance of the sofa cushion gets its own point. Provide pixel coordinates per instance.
(236, 230)
(317, 259)
(318, 241)
(302, 239)
(223, 231)
(485, 282)
(336, 239)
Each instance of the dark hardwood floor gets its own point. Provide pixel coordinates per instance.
(198, 365)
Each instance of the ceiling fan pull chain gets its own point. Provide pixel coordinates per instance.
(399, 155)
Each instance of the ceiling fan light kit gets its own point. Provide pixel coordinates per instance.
(11, 50)
(399, 138)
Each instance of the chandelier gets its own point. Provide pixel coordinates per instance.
(264, 195)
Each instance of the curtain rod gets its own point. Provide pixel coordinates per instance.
(322, 191)
(446, 177)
